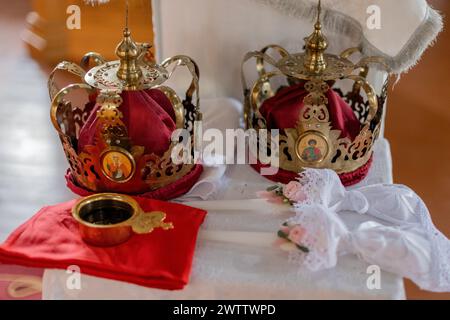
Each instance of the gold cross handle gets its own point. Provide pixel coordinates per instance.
(146, 222)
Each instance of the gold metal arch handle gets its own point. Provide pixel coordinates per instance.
(256, 91)
(259, 56)
(363, 64)
(260, 60)
(96, 57)
(348, 52)
(194, 87)
(67, 66)
(360, 80)
(178, 107)
(145, 51)
(260, 67)
(371, 95)
(251, 96)
(58, 99)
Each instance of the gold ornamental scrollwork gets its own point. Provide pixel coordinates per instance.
(313, 142)
(113, 162)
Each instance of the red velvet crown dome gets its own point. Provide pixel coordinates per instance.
(121, 140)
(283, 110)
(318, 124)
(148, 116)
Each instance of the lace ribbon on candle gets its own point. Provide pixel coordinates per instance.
(406, 242)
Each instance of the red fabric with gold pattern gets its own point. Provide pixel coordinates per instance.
(347, 179)
(174, 190)
(282, 111)
(148, 116)
(161, 259)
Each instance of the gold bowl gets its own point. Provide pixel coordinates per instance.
(109, 219)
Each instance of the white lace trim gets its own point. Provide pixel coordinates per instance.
(397, 205)
(315, 241)
(440, 250)
(324, 187)
(324, 231)
(313, 182)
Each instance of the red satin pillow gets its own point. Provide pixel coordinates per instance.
(161, 259)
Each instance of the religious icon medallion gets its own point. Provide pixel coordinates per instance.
(117, 164)
(312, 147)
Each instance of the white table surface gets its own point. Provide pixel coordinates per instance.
(229, 271)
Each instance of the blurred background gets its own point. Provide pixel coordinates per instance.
(34, 37)
(418, 128)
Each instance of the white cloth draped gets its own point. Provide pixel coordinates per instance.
(218, 33)
(246, 269)
(407, 27)
(404, 242)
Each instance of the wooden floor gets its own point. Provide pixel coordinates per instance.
(32, 163)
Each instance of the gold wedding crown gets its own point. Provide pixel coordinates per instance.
(112, 161)
(318, 71)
